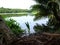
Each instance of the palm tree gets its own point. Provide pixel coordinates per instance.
(46, 8)
(50, 9)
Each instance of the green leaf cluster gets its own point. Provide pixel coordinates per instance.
(14, 26)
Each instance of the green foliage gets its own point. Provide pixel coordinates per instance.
(52, 26)
(50, 9)
(45, 8)
(43, 1)
(27, 24)
(44, 28)
(7, 10)
(14, 26)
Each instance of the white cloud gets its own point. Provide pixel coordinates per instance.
(24, 4)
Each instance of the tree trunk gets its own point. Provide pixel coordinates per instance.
(55, 13)
(6, 35)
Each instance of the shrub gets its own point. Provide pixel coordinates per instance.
(14, 26)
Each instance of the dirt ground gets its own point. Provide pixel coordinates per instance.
(39, 39)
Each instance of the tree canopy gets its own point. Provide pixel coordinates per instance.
(50, 9)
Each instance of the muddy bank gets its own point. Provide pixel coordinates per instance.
(39, 39)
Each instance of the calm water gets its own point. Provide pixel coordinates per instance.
(30, 19)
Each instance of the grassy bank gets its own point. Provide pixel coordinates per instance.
(11, 15)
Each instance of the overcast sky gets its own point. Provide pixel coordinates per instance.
(23, 4)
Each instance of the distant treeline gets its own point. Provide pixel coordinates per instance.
(8, 10)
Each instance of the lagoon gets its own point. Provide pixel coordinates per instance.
(30, 19)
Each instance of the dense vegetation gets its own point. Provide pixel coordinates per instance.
(14, 26)
(48, 9)
(8, 10)
(48, 34)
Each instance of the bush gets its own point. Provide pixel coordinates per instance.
(14, 26)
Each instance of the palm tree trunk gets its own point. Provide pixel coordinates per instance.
(55, 13)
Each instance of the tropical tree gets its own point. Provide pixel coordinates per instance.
(50, 9)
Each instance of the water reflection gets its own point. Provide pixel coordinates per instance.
(24, 19)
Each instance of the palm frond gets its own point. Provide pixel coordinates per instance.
(42, 1)
(35, 7)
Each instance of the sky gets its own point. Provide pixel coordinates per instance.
(20, 4)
